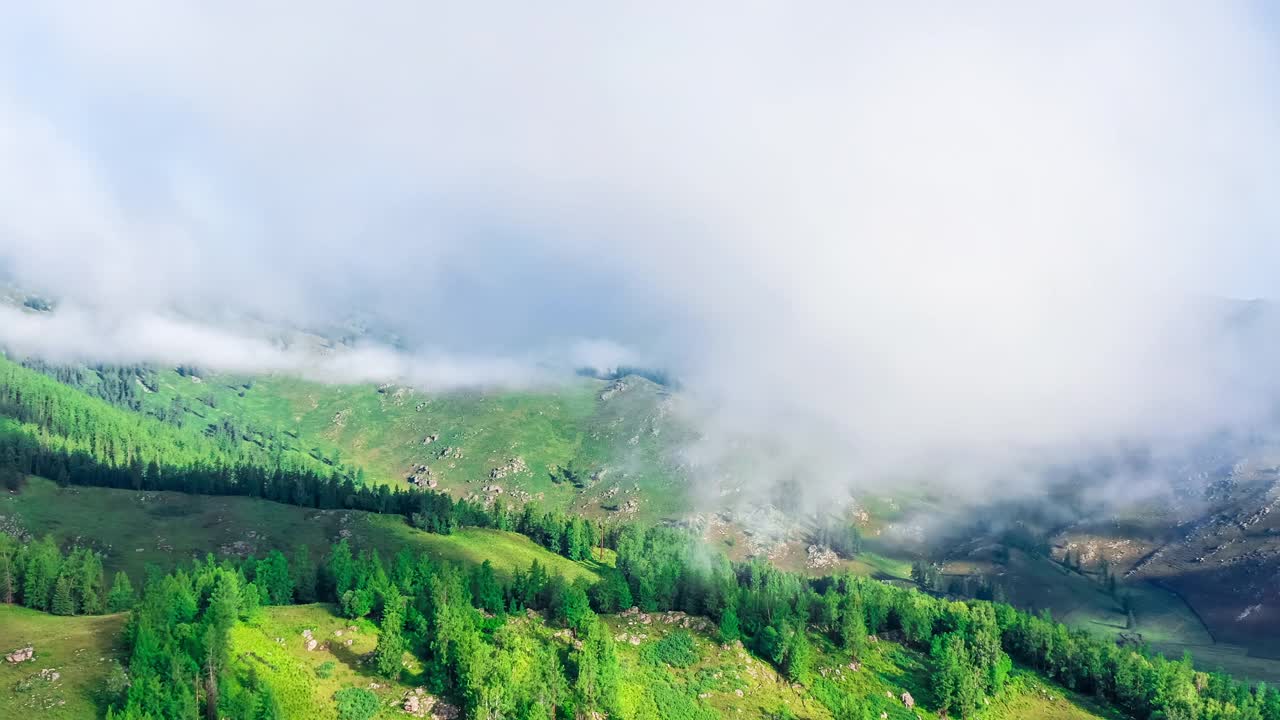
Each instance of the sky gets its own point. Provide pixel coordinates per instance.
(957, 237)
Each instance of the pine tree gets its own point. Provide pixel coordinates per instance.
(598, 671)
(729, 628)
(486, 593)
(798, 658)
(304, 576)
(8, 581)
(121, 597)
(853, 626)
(89, 583)
(341, 569)
(41, 571)
(274, 579)
(268, 707)
(64, 601)
(250, 601)
(549, 685)
(954, 680)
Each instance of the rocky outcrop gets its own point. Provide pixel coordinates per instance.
(513, 466)
(20, 655)
(820, 556)
(616, 388)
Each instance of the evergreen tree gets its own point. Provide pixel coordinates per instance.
(64, 601)
(120, 597)
(798, 658)
(387, 656)
(273, 579)
(549, 687)
(250, 601)
(89, 583)
(8, 579)
(571, 607)
(954, 680)
(268, 708)
(598, 672)
(729, 629)
(304, 576)
(341, 569)
(853, 627)
(40, 573)
(486, 593)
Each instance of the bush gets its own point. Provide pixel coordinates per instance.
(356, 704)
(324, 670)
(677, 650)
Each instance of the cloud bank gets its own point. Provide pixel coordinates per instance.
(951, 243)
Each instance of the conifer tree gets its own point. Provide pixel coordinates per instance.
(598, 671)
(64, 601)
(387, 656)
(121, 597)
(729, 627)
(89, 583)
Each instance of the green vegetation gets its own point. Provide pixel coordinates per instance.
(132, 530)
(408, 595)
(615, 435)
(83, 651)
(356, 704)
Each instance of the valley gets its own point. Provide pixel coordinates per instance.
(570, 450)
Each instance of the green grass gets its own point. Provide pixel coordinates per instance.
(291, 670)
(872, 564)
(1032, 697)
(133, 529)
(721, 671)
(383, 432)
(1164, 620)
(81, 649)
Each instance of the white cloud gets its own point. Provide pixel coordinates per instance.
(942, 238)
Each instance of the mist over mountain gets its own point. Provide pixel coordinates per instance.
(944, 246)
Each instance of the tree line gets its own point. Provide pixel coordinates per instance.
(453, 618)
(40, 576)
(970, 643)
(53, 431)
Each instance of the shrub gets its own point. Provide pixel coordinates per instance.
(356, 704)
(677, 650)
(324, 670)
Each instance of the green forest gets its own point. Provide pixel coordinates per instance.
(448, 627)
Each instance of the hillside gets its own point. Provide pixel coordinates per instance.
(716, 680)
(84, 652)
(592, 446)
(133, 529)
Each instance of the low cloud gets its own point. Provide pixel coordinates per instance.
(72, 334)
(941, 245)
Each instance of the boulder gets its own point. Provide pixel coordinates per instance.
(907, 700)
(25, 654)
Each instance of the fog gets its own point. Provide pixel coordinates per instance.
(943, 245)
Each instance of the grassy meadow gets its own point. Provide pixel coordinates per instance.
(133, 529)
(383, 428)
(82, 650)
